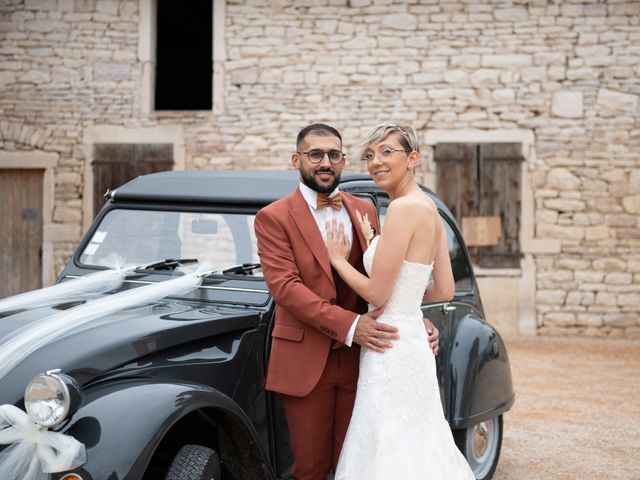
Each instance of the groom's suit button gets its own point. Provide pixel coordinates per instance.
(332, 301)
(328, 331)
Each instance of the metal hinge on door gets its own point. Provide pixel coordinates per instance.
(30, 213)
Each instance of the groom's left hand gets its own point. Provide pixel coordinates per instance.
(434, 335)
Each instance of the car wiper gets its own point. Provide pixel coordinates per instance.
(168, 264)
(243, 269)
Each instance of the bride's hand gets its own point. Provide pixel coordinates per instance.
(337, 242)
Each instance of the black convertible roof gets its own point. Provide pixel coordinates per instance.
(204, 186)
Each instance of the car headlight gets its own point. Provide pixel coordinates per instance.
(51, 397)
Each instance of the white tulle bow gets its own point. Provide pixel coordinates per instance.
(34, 451)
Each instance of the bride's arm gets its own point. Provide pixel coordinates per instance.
(391, 250)
(443, 287)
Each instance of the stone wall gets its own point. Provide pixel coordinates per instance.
(569, 72)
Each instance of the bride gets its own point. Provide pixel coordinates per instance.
(398, 429)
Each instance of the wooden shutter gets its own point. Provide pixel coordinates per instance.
(483, 180)
(500, 173)
(456, 178)
(116, 163)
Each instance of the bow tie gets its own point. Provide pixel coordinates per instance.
(324, 200)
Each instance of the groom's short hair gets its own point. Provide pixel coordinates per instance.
(319, 129)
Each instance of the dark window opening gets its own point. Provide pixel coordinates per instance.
(480, 183)
(184, 65)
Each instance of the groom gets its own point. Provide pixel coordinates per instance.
(313, 361)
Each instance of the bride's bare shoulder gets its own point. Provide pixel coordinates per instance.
(413, 205)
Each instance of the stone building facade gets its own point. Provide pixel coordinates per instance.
(561, 78)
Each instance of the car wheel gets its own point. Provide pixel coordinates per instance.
(194, 462)
(480, 444)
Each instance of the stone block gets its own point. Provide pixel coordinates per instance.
(399, 21)
(41, 5)
(503, 95)
(612, 101)
(618, 278)
(485, 77)
(562, 179)
(592, 51)
(567, 104)
(551, 297)
(244, 76)
(560, 319)
(513, 14)
(564, 205)
(606, 299)
(467, 61)
(252, 143)
(609, 264)
(628, 233)
(590, 319)
(414, 94)
(506, 60)
(544, 230)
(572, 263)
(111, 71)
(599, 232)
(629, 299)
(546, 216)
(360, 43)
(632, 204)
(38, 77)
(110, 7)
(456, 76)
(621, 319)
(621, 219)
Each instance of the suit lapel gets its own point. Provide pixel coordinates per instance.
(303, 218)
(348, 202)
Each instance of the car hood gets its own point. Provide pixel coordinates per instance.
(116, 339)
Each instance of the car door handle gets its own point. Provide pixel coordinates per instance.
(447, 308)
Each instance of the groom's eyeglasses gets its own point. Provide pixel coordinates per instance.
(316, 156)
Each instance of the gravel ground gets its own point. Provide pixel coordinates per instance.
(577, 410)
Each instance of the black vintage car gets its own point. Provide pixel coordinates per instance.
(173, 387)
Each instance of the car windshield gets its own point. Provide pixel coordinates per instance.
(141, 237)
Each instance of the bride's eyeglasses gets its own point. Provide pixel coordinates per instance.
(316, 156)
(384, 154)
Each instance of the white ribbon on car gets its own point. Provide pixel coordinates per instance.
(34, 451)
(98, 282)
(18, 345)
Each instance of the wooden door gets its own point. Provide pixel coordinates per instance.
(20, 231)
(116, 163)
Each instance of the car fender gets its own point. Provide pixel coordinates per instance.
(480, 375)
(121, 423)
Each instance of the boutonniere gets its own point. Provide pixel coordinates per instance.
(365, 226)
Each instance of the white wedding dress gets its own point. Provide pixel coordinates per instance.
(398, 429)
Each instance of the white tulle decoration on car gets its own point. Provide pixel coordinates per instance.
(18, 345)
(98, 282)
(34, 452)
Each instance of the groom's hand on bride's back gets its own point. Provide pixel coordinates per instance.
(373, 334)
(434, 335)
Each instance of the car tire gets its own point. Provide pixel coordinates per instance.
(480, 444)
(194, 462)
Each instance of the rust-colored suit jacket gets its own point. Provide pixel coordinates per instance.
(297, 270)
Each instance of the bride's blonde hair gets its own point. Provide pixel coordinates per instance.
(406, 136)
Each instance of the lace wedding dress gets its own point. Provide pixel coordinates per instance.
(398, 429)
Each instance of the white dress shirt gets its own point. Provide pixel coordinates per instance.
(328, 214)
